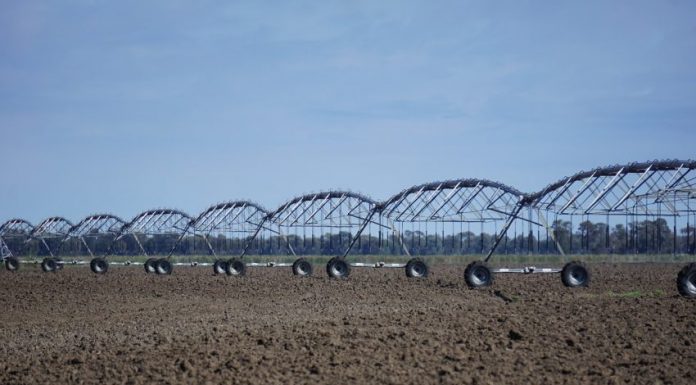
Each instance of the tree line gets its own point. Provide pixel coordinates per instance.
(643, 237)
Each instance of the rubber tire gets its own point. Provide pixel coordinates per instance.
(163, 267)
(49, 265)
(302, 267)
(416, 268)
(220, 267)
(337, 267)
(686, 281)
(99, 266)
(236, 267)
(575, 274)
(149, 266)
(477, 274)
(11, 264)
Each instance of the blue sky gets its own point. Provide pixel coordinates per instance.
(128, 105)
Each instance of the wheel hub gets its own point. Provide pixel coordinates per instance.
(578, 276)
(338, 269)
(481, 276)
(235, 269)
(691, 283)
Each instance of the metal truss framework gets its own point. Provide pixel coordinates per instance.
(453, 201)
(653, 188)
(50, 229)
(464, 200)
(241, 219)
(335, 211)
(15, 228)
(157, 222)
(94, 226)
(4, 250)
(658, 188)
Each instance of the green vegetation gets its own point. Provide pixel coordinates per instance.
(641, 241)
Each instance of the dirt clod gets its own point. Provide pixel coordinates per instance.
(375, 327)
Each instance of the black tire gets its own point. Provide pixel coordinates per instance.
(49, 265)
(686, 281)
(11, 264)
(149, 265)
(575, 274)
(337, 267)
(99, 266)
(477, 274)
(302, 268)
(236, 267)
(416, 268)
(220, 267)
(163, 267)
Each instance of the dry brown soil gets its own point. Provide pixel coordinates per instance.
(378, 326)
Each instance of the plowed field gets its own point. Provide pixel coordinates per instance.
(269, 327)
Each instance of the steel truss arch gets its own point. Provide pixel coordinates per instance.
(344, 214)
(241, 219)
(287, 208)
(51, 229)
(458, 201)
(644, 187)
(95, 227)
(475, 200)
(157, 222)
(98, 224)
(645, 192)
(14, 229)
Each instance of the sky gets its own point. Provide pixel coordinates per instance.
(124, 106)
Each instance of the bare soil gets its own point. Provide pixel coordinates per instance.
(269, 327)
